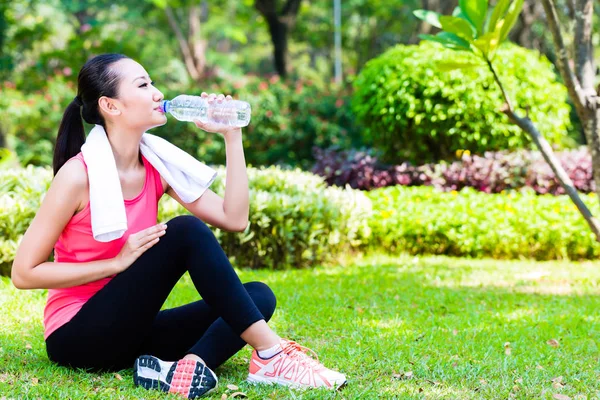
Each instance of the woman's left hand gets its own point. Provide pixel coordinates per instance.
(215, 127)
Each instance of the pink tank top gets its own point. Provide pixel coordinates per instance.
(76, 244)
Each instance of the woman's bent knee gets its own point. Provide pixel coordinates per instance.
(189, 229)
(263, 297)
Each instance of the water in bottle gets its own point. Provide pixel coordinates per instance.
(228, 112)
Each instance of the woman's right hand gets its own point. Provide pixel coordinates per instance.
(137, 244)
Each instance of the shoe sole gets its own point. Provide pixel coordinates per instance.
(190, 376)
(256, 379)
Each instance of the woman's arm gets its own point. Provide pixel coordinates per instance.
(231, 212)
(30, 269)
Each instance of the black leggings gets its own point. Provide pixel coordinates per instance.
(123, 320)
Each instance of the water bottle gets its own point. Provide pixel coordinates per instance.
(229, 112)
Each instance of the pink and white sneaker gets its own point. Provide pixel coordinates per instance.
(188, 378)
(295, 368)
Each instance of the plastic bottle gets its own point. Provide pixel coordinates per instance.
(229, 112)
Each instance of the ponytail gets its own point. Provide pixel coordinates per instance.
(71, 135)
(96, 78)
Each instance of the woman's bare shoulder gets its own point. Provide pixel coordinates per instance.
(72, 174)
(72, 180)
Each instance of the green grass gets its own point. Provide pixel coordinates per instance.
(448, 321)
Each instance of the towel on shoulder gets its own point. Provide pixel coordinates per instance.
(188, 177)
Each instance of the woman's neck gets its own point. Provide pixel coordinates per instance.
(126, 148)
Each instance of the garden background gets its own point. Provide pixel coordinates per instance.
(414, 236)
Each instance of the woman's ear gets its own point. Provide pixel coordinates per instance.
(109, 106)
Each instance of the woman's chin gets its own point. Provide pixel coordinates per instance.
(158, 122)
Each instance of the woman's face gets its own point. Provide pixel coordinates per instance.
(138, 103)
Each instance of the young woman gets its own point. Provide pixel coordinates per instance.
(104, 299)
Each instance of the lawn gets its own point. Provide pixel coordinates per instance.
(399, 327)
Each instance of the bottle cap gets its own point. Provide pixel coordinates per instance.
(164, 106)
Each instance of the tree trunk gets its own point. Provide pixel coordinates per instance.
(278, 31)
(580, 83)
(591, 127)
(280, 23)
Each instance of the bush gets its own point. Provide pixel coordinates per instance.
(298, 222)
(21, 192)
(577, 164)
(413, 111)
(493, 172)
(295, 220)
(32, 120)
(422, 220)
(287, 121)
(360, 169)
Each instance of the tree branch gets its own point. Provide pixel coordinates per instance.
(542, 144)
(571, 81)
(526, 125)
(194, 24)
(265, 7)
(183, 44)
(500, 85)
(289, 13)
(291, 7)
(571, 8)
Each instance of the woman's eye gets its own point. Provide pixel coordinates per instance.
(145, 84)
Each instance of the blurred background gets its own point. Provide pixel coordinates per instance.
(322, 77)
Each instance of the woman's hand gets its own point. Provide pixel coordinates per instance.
(137, 244)
(214, 127)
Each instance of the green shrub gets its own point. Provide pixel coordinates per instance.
(295, 220)
(21, 192)
(422, 220)
(413, 111)
(287, 121)
(32, 119)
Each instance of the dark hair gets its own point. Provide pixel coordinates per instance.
(95, 79)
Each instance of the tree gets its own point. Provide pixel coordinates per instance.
(581, 78)
(280, 23)
(475, 28)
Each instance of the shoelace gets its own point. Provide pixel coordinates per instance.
(297, 351)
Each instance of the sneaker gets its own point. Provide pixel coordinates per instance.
(189, 378)
(293, 367)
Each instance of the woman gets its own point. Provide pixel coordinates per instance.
(104, 299)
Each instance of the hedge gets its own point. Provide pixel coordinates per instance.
(296, 221)
(423, 220)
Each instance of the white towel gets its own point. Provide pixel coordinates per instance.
(188, 177)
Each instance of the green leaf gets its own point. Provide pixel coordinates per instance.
(430, 17)
(458, 26)
(511, 18)
(452, 65)
(488, 44)
(475, 10)
(456, 40)
(162, 4)
(497, 14)
(449, 40)
(460, 14)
